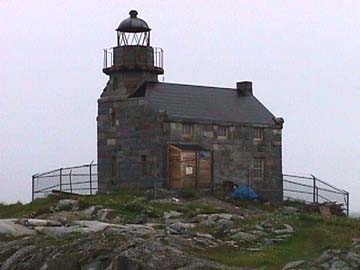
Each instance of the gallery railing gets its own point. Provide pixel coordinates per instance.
(109, 61)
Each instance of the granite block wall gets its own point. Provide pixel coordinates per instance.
(132, 138)
(234, 156)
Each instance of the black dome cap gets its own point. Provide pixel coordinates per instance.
(133, 24)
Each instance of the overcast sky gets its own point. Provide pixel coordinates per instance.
(302, 56)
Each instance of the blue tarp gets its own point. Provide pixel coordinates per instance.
(244, 192)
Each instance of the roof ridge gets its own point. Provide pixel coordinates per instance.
(200, 86)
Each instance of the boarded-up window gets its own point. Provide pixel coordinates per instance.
(143, 165)
(222, 132)
(114, 167)
(259, 168)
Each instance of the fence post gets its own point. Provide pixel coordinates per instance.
(156, 175)
(248, 179)
(70, 181)
(314, 188)
(91, 192)
(33, 188)
(347, 203)
(61, 179)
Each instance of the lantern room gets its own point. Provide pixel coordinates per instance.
(133, 31)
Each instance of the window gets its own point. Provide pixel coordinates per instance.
(115, 84)
(259, 134)
(259, 168)
(187, 130)
(222, 132)
(113, 167)
(209, 134)
(143, 165)
(113, 118)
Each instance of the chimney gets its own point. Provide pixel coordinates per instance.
(244, 88)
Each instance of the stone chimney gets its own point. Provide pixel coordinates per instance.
(244, 88)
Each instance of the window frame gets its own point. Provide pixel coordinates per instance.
(223, 128)
(185, 132)
(259, 168)
(259, 134)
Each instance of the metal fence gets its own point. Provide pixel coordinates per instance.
(313, 190)
(79, 180)
(83, 180)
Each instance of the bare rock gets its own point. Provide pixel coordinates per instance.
(293, 265)
(9, 227)
(90, 212)
(288, 229)
(172, 214)
(105, 214)
(248, 237)
(67, 204)
(16, 257)
(39, 222)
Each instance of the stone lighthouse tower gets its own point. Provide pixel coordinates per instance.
(131, 63)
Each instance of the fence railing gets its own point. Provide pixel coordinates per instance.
(313, 190)
(109, 58)
(79, 180)
(83, 180)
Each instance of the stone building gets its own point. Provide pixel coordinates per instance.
(176, 135)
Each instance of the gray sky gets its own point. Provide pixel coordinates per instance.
(303, 58)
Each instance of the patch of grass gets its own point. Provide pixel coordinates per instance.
(312, 236)
(188, 193)
(205, 209)
(128, 203)
(6, 238)
(293, 203)
(36, 207)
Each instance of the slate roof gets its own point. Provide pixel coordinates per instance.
(204, 103)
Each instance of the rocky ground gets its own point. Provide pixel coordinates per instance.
(182, 235)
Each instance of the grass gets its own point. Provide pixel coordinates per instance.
(19, 210)
(127, 203)
(313, 236)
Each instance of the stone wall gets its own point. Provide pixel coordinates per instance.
(234, 155)
(135, 132)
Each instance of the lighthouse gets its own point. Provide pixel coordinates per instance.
(155, 134)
